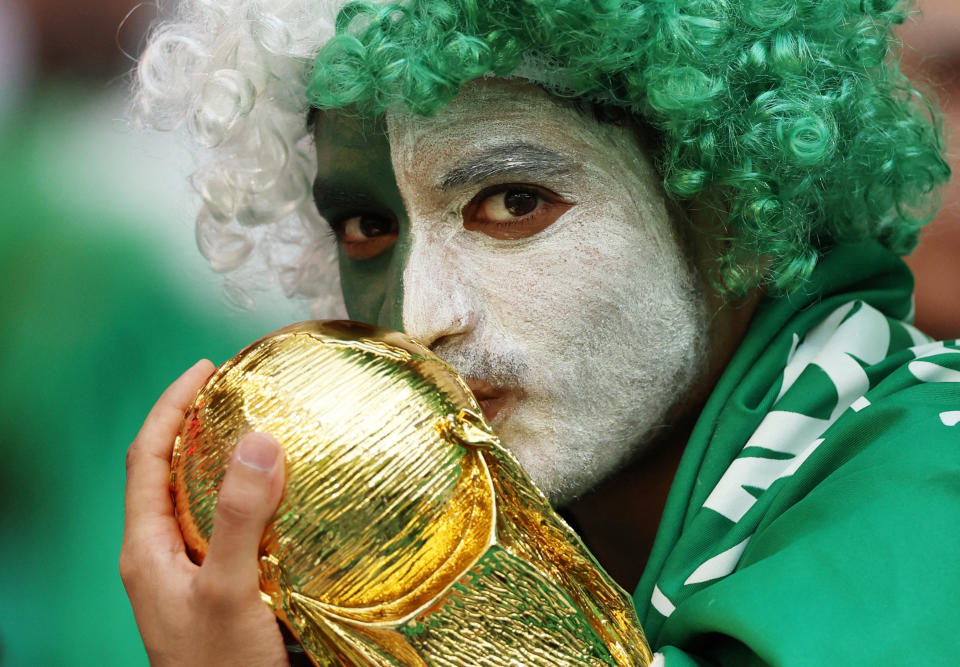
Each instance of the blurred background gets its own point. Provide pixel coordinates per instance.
(104, 300)
(931, 55)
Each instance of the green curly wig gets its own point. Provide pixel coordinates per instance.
(791, 117)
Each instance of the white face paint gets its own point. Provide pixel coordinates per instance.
(586, 335)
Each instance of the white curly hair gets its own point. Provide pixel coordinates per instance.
(234, 73)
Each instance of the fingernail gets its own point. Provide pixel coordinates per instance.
(258, 451)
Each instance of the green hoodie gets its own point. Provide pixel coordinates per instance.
(813, 518)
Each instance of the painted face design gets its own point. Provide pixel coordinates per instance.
(531, 247)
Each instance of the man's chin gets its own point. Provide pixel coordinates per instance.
(535, 450)
(564, 459)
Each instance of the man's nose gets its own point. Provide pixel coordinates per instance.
(438, 301)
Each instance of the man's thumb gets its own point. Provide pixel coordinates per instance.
(251, 490)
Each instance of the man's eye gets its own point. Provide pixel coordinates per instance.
(509, 204)
(513, 211)
(361, 228)
(366, 236)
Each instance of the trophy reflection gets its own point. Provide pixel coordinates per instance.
(407, 534)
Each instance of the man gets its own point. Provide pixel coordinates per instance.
(658, 239)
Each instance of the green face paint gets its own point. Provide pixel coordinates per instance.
(355, 178)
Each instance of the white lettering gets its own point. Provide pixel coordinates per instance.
(719, 566)
(951, 418)
(661, 603)
(926, 371)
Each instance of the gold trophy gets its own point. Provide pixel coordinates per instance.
(407, 533)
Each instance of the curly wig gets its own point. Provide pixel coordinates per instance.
(789, 118)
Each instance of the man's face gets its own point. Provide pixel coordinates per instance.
(531, 247)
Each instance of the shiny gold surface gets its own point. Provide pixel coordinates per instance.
(407, 534)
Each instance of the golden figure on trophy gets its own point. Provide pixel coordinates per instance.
(407, 535)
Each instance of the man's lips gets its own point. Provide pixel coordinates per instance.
(490, 398)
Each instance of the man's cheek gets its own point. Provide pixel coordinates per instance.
(372, 289)
(553, 295)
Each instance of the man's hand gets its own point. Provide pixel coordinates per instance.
(210, 614)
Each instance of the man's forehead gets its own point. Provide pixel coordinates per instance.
(493, 128)
(481, 102)
(343, 129)
(482, 109)
(504, 125)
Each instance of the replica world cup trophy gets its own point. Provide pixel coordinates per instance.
(407, 534)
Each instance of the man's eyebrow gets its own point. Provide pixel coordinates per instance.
(329, 194)
(514, 158)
